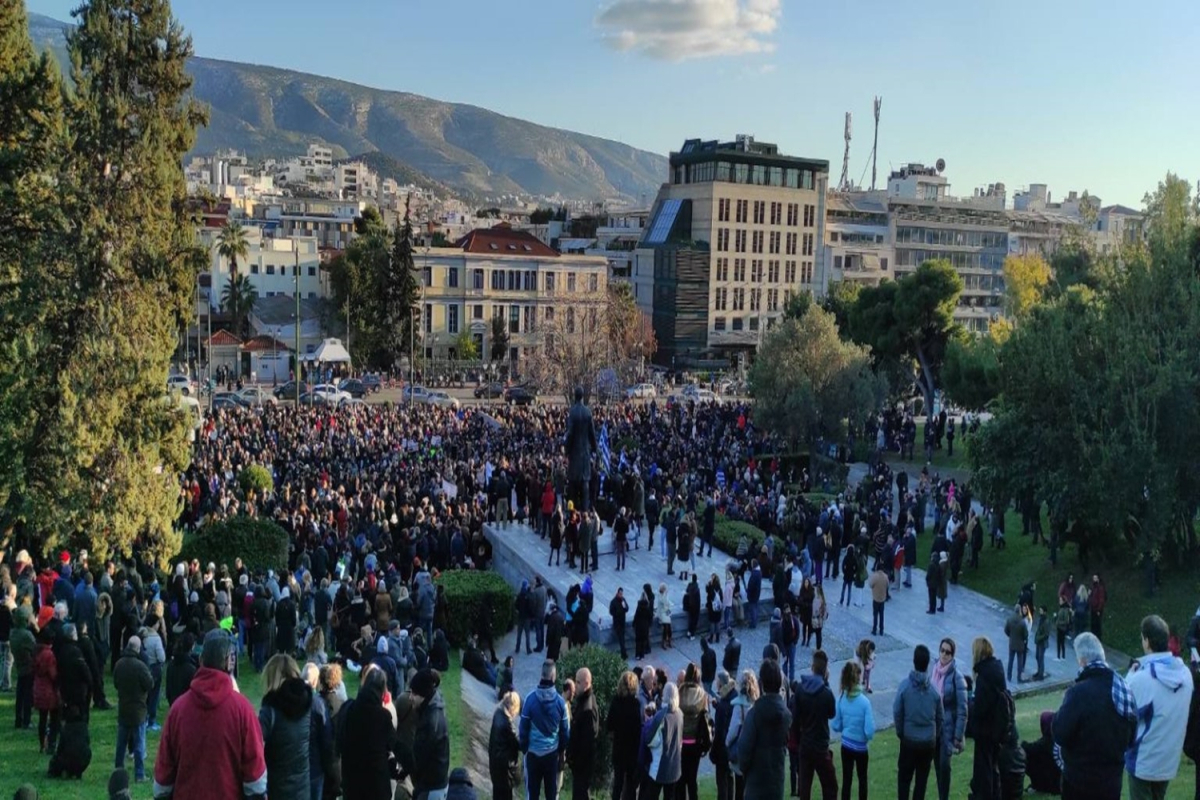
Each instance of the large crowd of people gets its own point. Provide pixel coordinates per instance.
(378, 499)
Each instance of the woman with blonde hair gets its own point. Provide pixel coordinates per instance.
(853, 719)
(314, 647)
(286, 725)
(748, 693)
(504, 748)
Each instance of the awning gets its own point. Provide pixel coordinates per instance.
(330, 351)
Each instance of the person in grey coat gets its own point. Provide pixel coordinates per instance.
(953, 686)
(762, 745)
(917, 711)
(663, 737)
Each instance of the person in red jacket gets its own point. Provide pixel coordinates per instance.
(1097, 600)
(211, 743)
(45, 692)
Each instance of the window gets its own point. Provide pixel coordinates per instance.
(514, 319)
(497, 280)
(739, 242)
(477, 279)
(549, 283)
(739, 270)
(254, 269)
(593, 283)
(271, 269)
(806, 272)
(428, 318)
(808, 244)
(571, 282)
(743, 210)
(477, 311)
(739, 299)
(550, 314)
(723, 210)
(722, 269)
(452, 318)
(737, 323)
(452, 277)
(755, 299)
(498, 311)
(776, 213)
(758, 242)
(810, 215)
(718, 323)
(722, 240)
(756, 271)
(754, 323)
(793, 214)
(791, 243)
(774, 246)
(760, 212)
(427, 276)
(772, 299)
(883, 263)
(837, 263)
(514, 280)
(720, 299)
(530, 318)
(570, 319)
(789, 275)
(312, 272)
(312, 295)
(773, 271)
(530, 284)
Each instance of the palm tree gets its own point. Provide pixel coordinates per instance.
(232, 244)
(237, 300)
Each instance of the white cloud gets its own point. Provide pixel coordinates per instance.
(676, 30)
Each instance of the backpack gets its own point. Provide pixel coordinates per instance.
(1006, 714)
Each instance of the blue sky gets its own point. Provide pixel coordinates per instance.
(1079, 94)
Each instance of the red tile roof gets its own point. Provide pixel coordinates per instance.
(261, 344)
(223, 338)
(502, 240)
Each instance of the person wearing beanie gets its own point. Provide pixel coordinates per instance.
(428, 762)
(133, 681)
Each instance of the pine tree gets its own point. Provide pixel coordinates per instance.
(94, 447)
(401, 295)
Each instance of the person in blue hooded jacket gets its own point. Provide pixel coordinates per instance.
(1161, 685)
(918, 713)
(544, 733)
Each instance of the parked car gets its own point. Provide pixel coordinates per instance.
(182, 384)
(441, 399)
(312, 399)
(372, 382)
(288, 390)
(414, 393)
(353, 387)
(330, 393)
(489, 391)
(227, 400)
(257, 396)
(641, 390)
(520, 396)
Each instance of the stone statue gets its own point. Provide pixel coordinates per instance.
(580, 444)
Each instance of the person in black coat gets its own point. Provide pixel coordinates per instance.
(439, 652)
(285, 623)
(181, 668)
(990, 717)
(367, 740)
(504, 749)
(74, 675)
(585, 728)
(624, 724)
(474, 664)
(642, 618)
(556, 629)
(618, 608)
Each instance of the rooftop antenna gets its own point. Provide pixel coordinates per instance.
(875, 143)
(844, 183)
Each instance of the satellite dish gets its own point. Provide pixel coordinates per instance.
(940, 165)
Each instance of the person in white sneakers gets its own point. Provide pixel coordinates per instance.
(1161, 685)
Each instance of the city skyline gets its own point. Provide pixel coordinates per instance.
(999, 98)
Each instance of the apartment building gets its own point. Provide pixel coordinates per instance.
(737, 229)
(509, 274)
(270, 264)
(330, 222)
(858, 240)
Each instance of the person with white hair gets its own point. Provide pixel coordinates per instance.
(665, 738)
(1094, 726)
(504, 749)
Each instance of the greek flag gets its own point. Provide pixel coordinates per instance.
(721, 477)
(605, 452)
(623, 462)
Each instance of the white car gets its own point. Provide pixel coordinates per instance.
(414, 393)
(330, 393)
(641, 390)
(441, 399)
(182, 384)
(257, 396)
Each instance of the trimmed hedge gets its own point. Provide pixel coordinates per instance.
(727, 533)
(469, 590)
(606, 667)
(260, 543)
(256, 478)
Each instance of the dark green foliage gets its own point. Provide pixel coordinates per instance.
(498, 348)
(727, 533)
(971, 374)
(259, 543)
(606, 668)
(256, 478)
(468, 591)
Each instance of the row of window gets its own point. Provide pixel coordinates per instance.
(773, 244)
(722, 298)
(514, 280)
(283, 270)
(957, 259)
(519, 318)
(756, 270)
(947, 237)
(751, 174)
(742, 323)
(760, 208)
(311, 295)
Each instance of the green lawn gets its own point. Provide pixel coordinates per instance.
(941, 461)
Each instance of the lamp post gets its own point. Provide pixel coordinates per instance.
(296, 276)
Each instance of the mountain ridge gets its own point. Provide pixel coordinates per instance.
(268, 111)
